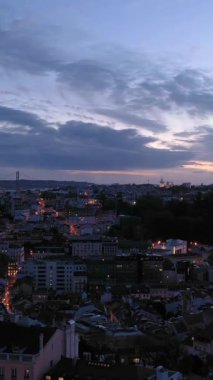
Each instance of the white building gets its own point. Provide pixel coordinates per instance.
(172, 246)
(36, 351)
(63, 276)
(177, 246)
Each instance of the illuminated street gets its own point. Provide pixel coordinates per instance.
(7, 294)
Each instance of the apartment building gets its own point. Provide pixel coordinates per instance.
(87, 246)
(15, 255)
(60, 275)
(26, 353)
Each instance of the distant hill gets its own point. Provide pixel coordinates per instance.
(38, 184)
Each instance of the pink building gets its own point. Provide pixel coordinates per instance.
(26, 353)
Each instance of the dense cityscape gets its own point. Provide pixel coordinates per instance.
(106, 190)
(92, 289)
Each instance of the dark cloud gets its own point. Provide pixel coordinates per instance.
(185, 134)
(203, 129)
(191, 79)
(202, 141)
(21, 118)
(187, 90)
(132, 119)
(195, 134)
(124, 90)
(196, 102)
(83, 146)
(87, 75)
(205, 144)
(26, 50)
(196, 163)
(136, 87)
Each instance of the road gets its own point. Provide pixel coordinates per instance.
(7, 294)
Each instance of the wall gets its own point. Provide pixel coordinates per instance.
(52, 351)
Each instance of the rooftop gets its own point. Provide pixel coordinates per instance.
(22, 339)
(96, 371)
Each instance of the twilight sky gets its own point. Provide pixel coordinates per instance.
(107, 90)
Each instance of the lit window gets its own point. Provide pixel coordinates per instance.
(136, 360)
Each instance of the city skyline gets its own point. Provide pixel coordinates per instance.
(105, 92)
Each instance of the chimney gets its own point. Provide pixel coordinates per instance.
(41, 342)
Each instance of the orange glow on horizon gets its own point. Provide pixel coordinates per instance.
(118, 172)
(206, 166)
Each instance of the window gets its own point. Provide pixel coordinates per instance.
(26, 374)
(1, 373)
(13, 373)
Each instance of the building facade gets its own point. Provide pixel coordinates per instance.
(86, 247)
(26, 353)
(63, 276)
